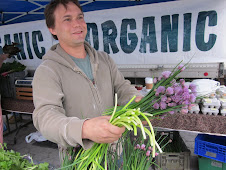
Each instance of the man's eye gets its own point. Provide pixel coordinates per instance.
(67, 19)
(80, 17)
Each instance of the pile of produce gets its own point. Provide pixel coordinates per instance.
(12, 160)
(8, 68)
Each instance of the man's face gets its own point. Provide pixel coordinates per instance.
(70, 26)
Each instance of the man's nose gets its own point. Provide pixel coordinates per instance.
(75, 23)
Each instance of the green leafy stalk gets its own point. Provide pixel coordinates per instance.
(10, 159)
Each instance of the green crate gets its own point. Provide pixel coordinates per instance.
(173, 161)
(176, 156)
(210, 164)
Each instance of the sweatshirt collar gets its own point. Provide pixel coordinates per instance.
(57, 54)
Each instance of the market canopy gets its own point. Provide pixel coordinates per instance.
(17, 11)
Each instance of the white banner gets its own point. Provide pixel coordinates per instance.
(161, 33)
(34, 40)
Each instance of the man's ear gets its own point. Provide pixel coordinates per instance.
(52, 31)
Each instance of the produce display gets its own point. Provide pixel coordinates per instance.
(12, 160)
(212, 104)
(15, 66)
(8, 68)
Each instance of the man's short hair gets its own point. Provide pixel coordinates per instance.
(50, 9)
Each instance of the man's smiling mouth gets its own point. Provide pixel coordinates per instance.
(77, 32)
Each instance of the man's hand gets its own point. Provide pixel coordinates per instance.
(4, 57)
(100, 130)
(138, 98)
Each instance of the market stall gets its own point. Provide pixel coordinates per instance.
(144, 38)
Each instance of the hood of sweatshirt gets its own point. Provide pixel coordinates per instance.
(57, 54)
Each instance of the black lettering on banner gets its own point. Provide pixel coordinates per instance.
(148, 35)
(109, 38)
(7, 39)
(168, 36)
(92, 29)
(124, 35)
(187, 32)
(200, 30)
(169, 31)
(28, 45)
(37, 36)
(18, 38)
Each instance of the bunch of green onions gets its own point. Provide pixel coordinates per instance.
(96, 157)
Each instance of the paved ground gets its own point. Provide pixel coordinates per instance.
(48, 152)
(40, 152)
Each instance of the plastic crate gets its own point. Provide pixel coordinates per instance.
(210, 164)
(24, 93)
(211, 146)
(178, 159)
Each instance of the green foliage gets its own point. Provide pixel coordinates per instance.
(135, 153)
(12, 67)
(12, 160)
(130, 157)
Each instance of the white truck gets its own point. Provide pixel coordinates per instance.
(143, 40)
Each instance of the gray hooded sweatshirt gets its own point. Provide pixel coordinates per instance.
(64, 97)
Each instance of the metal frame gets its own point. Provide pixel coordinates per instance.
(193, 70)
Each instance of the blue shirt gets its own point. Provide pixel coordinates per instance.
(85, 65)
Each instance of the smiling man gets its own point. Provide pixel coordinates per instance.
(75, 84)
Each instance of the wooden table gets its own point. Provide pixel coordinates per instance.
(12, 105)
(199, 123)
